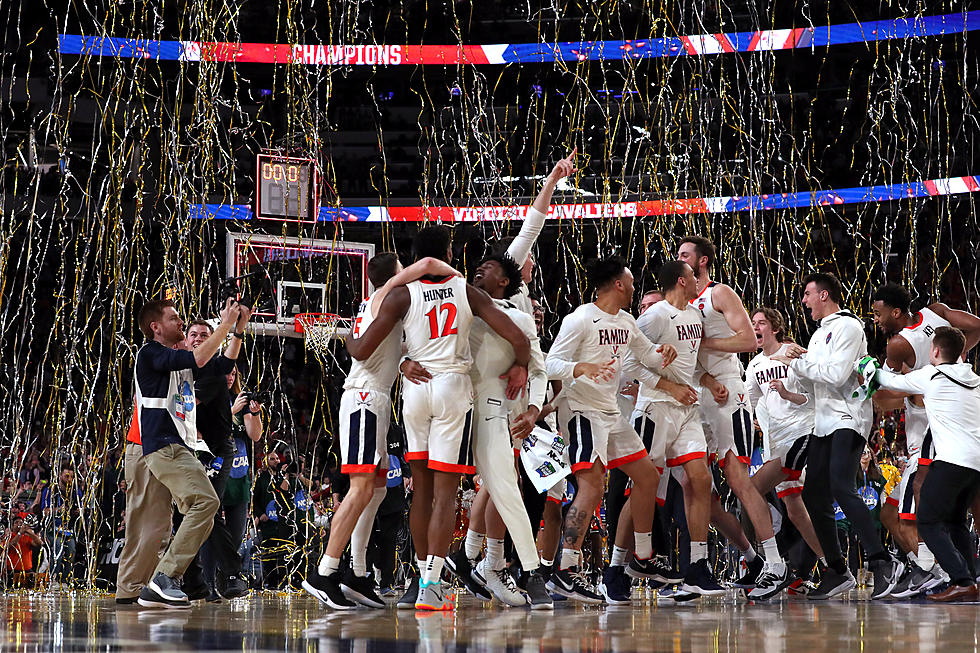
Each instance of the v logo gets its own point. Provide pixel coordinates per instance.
(364, 396)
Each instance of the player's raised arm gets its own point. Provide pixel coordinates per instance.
(968, 323)
(534, 222)
(728, 304)
(393, 309)
(413, 272)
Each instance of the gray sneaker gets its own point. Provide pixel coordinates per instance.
(832, 584)
(163, 592)
(433, 596)
(887, 573)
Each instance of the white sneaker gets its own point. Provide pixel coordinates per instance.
(501, 584)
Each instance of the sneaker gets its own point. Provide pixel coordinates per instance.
(462, 568)
(327, 590)
(616, 586)
(655, 568)
(571, 583)
(407, 601)
(126, 600)
(752, 571)
(675, 594)
(360, 589)
(387, 592)
(213, 597)
(700, 580)
(771, 582)
(433, 596)
(537, 594)
(901, 590)
(832, 584)
(163, 592)
(196, 591)
(887, 573)
(501, 584)
(232, 587)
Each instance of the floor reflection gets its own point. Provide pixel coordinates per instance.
(273, 622)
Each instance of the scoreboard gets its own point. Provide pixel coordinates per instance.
(285, 188)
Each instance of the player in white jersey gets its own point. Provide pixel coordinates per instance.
(842, 421)
(667, 414)
(784, 409)
(909, 343)
(587, 357)
(364, 417)
(727, 414)
(437, 314)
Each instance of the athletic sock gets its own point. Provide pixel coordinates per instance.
(618, 557)
(421, 564)
(925, 559)
(433, 570)
(547, 563)
(473, 544)
(495, 553)
(643, 547)
(699, 551)
(361, 534)
(328, 565)
(569, 558)
(771, 549)
(750, 554)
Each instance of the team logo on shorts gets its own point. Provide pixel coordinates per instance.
(363, 398)
(741, 400)
(547, 469)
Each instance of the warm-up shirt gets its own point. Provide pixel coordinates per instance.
(165, 396)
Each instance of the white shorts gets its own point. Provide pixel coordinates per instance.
(365, 415)
(593, 435)
(438, 418)
(557, 492)
(902, 495)
(671, 433)
(790, 452)
(728, 427)
(791, 486)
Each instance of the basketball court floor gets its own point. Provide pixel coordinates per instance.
(63, 621)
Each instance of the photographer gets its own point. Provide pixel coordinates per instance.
(19, 543)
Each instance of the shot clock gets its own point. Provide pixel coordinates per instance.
(285, 188)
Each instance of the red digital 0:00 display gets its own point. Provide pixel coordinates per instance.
(285, 188)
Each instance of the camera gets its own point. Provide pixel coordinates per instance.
(246, 294)
(263, 396)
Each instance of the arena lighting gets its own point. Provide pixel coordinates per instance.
(506, 53)
(602, 210)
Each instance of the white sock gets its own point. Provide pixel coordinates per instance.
(421, 564)
(925, 559)
(433, 570)
(361, 534)
(643, 547)
(328, 565)
(699, 551)
(771, 550)
(495, 553)
(750, 554)
(473, 544)
(569, 558)
(618, 556)
(547, 563)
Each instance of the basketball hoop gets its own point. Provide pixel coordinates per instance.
(318, 329)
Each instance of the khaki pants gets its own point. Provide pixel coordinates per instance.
(149, 514)
(179, 471)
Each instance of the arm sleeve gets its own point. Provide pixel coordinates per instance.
(848, 346)
(524, 241)
(559, 364)
(914, 382)
(162, 359)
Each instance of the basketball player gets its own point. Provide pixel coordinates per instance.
(666, 416)
(951, 391)
(365, 413)
(841, 425)
(587, 357)
(909, 344)
(784, 409)
(437, 313)
(727, 414)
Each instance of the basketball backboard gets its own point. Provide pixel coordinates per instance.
(292, 275)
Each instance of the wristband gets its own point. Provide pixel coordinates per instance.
(240, 336)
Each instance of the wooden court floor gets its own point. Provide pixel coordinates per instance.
(76, 621)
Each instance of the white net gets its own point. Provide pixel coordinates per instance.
(318, 330)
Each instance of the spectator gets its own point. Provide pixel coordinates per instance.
(19, 543)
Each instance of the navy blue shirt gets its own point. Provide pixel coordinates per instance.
(155, 365)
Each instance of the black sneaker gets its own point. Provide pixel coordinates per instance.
(361, 590)
(232, 587)
(571, 583)
(752, 571)
(887, 573)
(407, 601)
(213, 597)
(327, 590)
(616, 586)
(655, 568)
(537, 593)
(126, 600)
(163, 592)
(700, 580)
(462, 568)
(771, 582)
(831, 584)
